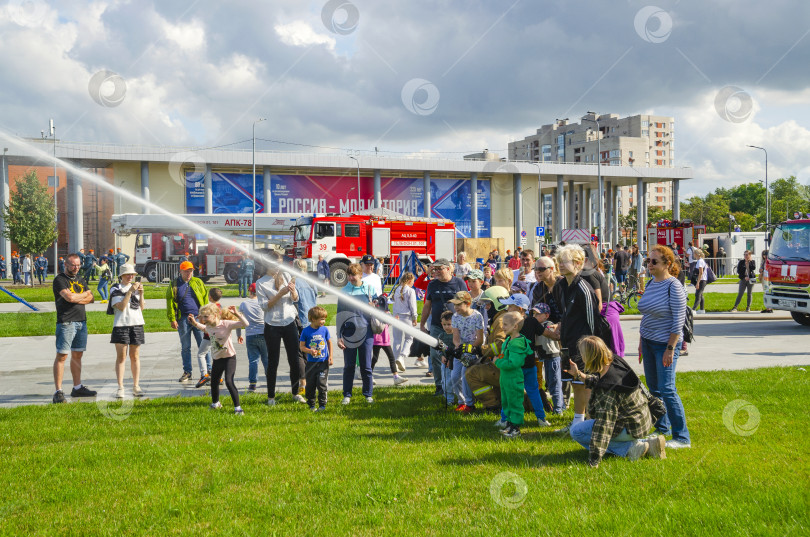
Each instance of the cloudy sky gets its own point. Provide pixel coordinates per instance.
(447, 77)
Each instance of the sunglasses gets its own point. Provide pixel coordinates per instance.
(541, 269)
(652, 261)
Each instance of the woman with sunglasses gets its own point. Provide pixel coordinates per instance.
(663, 309)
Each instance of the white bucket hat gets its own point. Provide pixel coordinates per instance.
(128, 268)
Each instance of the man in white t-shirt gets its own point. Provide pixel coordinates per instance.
(369, 277)
(526, 271)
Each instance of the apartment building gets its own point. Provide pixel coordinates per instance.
(640, 140)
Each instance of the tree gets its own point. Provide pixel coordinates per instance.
(30, 219)
(713, 211)
(787, 197)
(627, 222)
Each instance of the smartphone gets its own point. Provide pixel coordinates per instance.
(138, 278)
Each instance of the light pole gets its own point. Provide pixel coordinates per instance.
(253, 200)
(767, 198)
(541, 201)
(358, 180)
(52, 135)
(600, 187)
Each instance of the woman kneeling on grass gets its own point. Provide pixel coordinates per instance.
(222, 351)
(619, 409)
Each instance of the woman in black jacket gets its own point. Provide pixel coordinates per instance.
(579, 306)
(747, 272)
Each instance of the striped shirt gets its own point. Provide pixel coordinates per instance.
(663, 307)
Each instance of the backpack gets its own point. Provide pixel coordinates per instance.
(115, 288)
(688, 321)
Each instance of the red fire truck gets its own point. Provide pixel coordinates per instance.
(164, 238)
(786, 278)
(666, 232)
(344, 239)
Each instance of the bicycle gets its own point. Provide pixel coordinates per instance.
(628, 294)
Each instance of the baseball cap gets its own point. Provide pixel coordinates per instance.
(461, 297)
(367, 260)
(186, 265)
(517, 300)
(475, 274)
(441, 262)
(541, 307)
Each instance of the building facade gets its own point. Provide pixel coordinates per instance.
(636, 141)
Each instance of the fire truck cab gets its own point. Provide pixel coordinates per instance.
(786, 278)
(344, 239)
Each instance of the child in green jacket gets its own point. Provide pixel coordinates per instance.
(510, 362)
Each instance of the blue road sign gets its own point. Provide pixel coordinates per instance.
(541, 231)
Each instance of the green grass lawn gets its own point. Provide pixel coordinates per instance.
(403, 466)
(718, 301)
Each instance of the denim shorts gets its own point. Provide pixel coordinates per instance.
(71, 337)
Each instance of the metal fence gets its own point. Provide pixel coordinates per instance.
(166, 272)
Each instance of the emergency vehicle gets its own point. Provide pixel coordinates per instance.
(165, 238)
(343, 239)
(786, 278)
(666, 232)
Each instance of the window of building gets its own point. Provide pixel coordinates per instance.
(645, 123)
(630, 154)
(615, 153)
(647, 155)
(645, 132)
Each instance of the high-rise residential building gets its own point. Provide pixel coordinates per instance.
(642, 140)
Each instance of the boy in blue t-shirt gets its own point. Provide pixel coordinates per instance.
(316, 344)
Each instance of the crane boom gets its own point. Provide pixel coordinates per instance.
(275, 224)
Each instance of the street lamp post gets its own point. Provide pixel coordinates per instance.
(600, 186)
(767, 198)
(253, 200)
(358, 180)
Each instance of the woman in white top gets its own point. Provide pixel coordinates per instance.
(126, 302)
(462, 267)
(702, 270)
(277, 297)
(26, 269)
(405, 310)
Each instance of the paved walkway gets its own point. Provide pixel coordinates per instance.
(742, 342)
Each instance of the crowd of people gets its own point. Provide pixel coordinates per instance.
(514, 338)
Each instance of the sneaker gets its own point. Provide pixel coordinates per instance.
(733, 310)
(501, 424)
(399, 381)
(119, 393)
(346, 401)
(684, 353)
(313, 408)
(420, 362)
(137, 391)
(657, 447)
(239, 412)
(59, 397)
(271, 401)
(205, 379)
(82, 392)
(369, 400)
(252, 387)
(637, 450)
(543, 423)
(461, 408)
(321, 409)
(514, 432)
(506, 429)
(100, 301)
(700, 312)
(677, 444)
(215, 406)
(564, 430)
(298, 398)
(401, 364)
(186, 377)
(748, 310)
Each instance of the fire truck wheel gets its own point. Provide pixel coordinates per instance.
(231, 273)
(151, 272)
(338, 276)
(801, 318)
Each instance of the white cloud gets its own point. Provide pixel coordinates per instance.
(301, 34)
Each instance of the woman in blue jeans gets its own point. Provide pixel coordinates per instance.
(256, 346)
(663, 309)
(355, 337)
